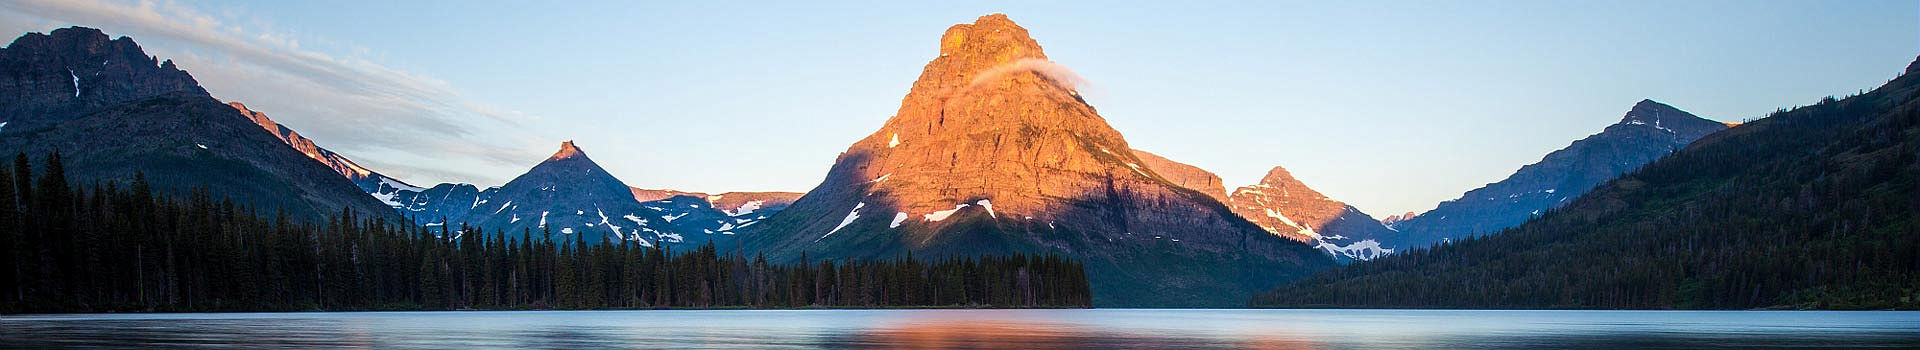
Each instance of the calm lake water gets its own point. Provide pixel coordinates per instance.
(975, 329)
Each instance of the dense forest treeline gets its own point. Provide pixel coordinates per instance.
(112, 249)
(1817, 207)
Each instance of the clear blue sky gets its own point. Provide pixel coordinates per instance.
(1390, 106)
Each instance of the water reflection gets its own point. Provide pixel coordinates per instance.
(973, 329)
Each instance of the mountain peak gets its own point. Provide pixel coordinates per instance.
(1277, 175)
(1286, 207)
(992, 36)
(1913, 67)
(1647, 110)
(1666, 118)
(75, 70)
(84, 34)
(990, 48)
(567, 150)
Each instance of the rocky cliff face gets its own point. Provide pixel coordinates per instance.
(77, 70)
(993, 152)
(1649, 131)
(1183, 175)
(113, 112)
(1284, 206)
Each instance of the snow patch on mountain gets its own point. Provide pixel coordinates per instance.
(1362, 250)
(897, 219)
(744, 209)
(851, 215)
(943, 214)
(1302, 229)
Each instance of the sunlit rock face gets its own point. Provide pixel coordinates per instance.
(1185, 176)
(994, 152)
(1284, 206)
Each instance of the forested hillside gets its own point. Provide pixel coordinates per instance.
(109, 247)
(1813, 207)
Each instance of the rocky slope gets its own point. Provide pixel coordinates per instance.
(1183, 175)
(113, 112)
(1649, 131)
(382, 187)
(1284, 206)
(993, 152)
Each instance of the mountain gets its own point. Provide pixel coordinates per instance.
(1817, 207)
(571, 195)
(1649, 131)
(381, 186)
(993, 152)
(112, 112)
(1284, 206)
(567, 194)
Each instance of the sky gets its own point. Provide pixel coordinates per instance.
(1390, 106)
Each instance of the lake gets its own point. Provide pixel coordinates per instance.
(974, 329)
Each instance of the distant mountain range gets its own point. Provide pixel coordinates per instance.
(568, 195)
(994, 152)
(1649, 131)
(1814, 207)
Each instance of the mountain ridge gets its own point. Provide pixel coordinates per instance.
(1648, 131)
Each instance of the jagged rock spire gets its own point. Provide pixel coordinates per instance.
(567, 150)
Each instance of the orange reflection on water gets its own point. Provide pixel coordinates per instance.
(949, 334)
(1010, 329)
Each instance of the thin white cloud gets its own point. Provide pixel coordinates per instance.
(373, 113)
